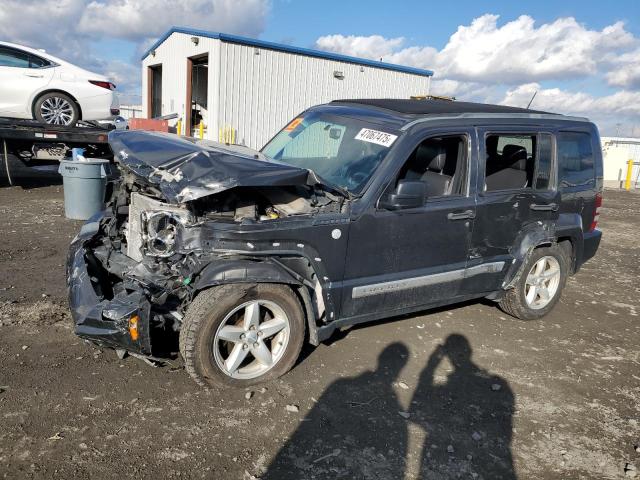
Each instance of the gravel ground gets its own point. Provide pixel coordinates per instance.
(461, 392)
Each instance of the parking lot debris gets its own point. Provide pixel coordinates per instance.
(292, 408)
(495, 387)
(4, 388)
(248, 395)
(24, 347)
(476, 436)
(404, 414)
(56, 436)
(403, 385)
(450, 449)
(335, 453)
(630, 470)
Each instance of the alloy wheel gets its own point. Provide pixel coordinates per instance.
(56, 111)
(251, 339)
(542, 282)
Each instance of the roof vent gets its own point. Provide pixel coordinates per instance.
(338, 74)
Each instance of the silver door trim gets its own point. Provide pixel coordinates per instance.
(424, 280)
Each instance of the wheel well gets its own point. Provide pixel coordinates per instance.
(566, 243)
(55, 90)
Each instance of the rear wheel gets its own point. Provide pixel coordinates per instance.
(56, 108)
(540, 285)
(242, 334)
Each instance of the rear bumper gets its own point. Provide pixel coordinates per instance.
(99, 107)
(104, 321)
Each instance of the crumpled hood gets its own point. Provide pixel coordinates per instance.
(187, 169)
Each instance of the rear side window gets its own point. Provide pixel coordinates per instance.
(10, 57)
(575, 160)
(510, 161)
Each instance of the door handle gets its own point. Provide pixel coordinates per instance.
(551, 207)
(466, 215)
(33, 75)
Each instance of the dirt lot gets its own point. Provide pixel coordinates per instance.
(464, 392)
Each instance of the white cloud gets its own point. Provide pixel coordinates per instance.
(140, 19)
(483, 60)
(619, 108)
(513, 53)
(625, 71)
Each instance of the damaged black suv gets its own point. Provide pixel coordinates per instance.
(356, 211)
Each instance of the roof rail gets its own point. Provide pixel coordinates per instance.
(533, 116)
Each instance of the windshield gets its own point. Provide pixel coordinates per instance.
(344, 151)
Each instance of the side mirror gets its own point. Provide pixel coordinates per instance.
(407, 194)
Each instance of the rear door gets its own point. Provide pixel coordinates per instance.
(21, 75)
(516, 194)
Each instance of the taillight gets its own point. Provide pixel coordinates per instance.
(596, 212)
(100, 83)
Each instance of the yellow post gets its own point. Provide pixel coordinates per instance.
(201, 130)
(179, 127)
(627, 183)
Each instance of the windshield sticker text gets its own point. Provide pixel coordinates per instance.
(374, 136)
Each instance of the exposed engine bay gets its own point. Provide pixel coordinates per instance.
(172, 229)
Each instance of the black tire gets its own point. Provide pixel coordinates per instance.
(514, 302)
(71, 109)
(209, 309)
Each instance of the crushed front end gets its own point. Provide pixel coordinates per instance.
(176, 208)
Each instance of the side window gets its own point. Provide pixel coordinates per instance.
(510, 161)
(10, 57)
(440, 162)
(37, 62)
(13, 58)
(575, 159)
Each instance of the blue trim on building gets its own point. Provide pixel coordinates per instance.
(287, 48)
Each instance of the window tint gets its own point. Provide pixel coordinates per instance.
(13, 58)
(510, 161)
(37, 62)
(543, 168)
(10, 57)
(575, 159)
(440, 163)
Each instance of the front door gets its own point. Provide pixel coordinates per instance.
(517, 197)
(402, 259)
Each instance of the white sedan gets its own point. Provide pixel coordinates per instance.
(34, 84)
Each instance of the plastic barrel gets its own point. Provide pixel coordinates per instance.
(84, 187)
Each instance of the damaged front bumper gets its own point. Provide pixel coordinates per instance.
(121, 322)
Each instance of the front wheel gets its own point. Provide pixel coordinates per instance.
(242, 334)
(540, 285)
(56, 109)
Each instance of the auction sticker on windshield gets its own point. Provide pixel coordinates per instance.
(374, 136)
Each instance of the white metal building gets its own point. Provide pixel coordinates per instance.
(616, 152)
(245, 90)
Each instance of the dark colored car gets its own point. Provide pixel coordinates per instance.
(356, 211)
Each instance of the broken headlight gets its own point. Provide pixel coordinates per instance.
(160, 230)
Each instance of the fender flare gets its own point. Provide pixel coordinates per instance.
(264, 271)
(538, 234)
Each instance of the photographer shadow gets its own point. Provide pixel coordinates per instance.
(467, 417)
(358, 429)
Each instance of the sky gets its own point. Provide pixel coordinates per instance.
(578, 57)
